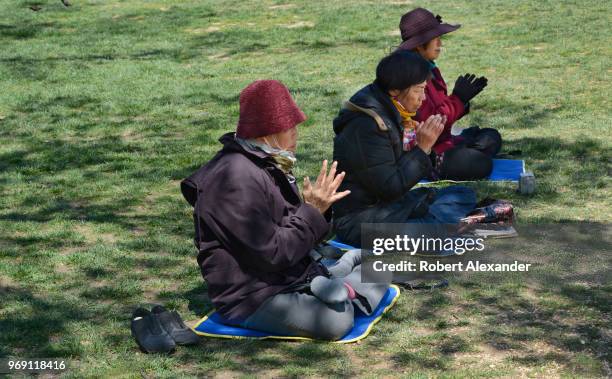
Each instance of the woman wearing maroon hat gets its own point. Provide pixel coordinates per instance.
(464, 157)
(255, 234)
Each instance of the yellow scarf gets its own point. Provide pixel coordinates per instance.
(406, 116)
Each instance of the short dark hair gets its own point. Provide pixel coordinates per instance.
(401, 69)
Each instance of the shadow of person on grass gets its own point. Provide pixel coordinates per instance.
(555, 314)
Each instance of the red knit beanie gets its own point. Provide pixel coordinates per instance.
(266, 107)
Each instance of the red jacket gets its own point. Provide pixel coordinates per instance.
(437, 101)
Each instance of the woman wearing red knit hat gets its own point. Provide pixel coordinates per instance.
(256, 234)
(464, 157)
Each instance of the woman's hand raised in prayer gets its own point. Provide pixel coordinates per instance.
(428, 131)
(322, 194)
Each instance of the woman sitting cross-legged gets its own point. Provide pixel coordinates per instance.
(385, 153)
(470, 155)
(256, 234)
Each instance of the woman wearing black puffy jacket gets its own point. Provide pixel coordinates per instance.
(385, 153)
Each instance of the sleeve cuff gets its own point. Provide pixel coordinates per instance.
(466, 108)
(328, 214)
(424, 159)
(314, 218)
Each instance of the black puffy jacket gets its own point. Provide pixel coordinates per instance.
(368, 147)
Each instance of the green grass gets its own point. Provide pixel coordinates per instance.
(105, 106)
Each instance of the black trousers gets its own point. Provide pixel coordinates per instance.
(472, 159)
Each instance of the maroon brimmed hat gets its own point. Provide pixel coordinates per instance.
(266, 108)
(420, 26)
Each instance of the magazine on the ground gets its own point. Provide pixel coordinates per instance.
(494, 230)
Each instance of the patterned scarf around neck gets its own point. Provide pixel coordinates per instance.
(409, 140)
(407, 120)
(283, 159)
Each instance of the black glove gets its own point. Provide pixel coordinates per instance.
(468, 86)
(480, 84)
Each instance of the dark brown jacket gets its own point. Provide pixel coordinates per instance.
(253, 231)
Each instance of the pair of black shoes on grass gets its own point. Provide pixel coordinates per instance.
(159, 330)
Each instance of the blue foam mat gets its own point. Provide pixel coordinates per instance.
(345, 247)
(212, 325)
(340, 245)
(504, 170)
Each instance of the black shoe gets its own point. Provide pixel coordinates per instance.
(174, 326)
(149, 334)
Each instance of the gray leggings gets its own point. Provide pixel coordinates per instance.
(305, 315)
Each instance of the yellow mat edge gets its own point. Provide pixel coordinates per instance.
(290, 338)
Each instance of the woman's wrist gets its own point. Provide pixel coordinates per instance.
(426, 151)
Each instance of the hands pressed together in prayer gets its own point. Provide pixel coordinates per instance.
(322, 194)
(428, 131)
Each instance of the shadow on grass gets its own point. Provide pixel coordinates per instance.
(558, 313)
(199, 302)
(32, 330)
(523, 116)
(581, 165)
(25, 30)
(527, 325)
(145, 22)
(82, 102)
(559, 166)
(173, 21)
(263, 358)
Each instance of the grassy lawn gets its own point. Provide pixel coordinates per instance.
(106, 105)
